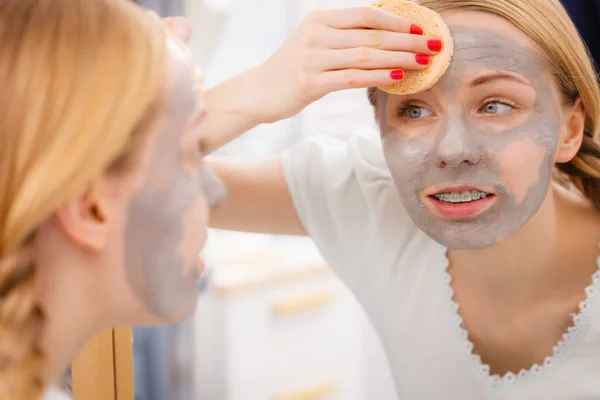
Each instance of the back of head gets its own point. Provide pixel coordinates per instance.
(79, 79)
(566, 56)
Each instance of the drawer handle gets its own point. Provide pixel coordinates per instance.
(293, 306)
(313, 393)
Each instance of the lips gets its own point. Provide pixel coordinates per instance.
(460, 201)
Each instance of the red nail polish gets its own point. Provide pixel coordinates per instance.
(422, 59)
(397, 74)
(434, 45)
(416, 30)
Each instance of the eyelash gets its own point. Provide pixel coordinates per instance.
(403, 107)
(499, 100)
(401, 112)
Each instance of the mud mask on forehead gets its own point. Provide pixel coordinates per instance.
(164, 232)
(460, 149)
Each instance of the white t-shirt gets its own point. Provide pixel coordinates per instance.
(55, 394)
(347, 201)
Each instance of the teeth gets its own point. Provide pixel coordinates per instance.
(463, 197)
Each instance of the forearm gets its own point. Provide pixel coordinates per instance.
(259, 199)
(230, 110)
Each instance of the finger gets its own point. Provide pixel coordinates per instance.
(357, 78)
(179, 27)
(367, 58)
(365, 17)
(384, 40)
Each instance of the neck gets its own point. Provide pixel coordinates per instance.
(64, 336)
(524, 266)
(71, 319)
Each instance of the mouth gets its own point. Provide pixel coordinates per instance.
(460, 202)
(461, 197)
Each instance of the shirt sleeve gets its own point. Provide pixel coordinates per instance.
(346, 200)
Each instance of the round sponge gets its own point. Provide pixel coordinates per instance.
(434, 27)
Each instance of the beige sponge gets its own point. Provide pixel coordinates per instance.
(434, 27)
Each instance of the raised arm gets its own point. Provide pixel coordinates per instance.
(331, 50)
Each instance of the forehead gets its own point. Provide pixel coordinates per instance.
(181, 89)
(487, 42)
(490, 23)
(481, 46)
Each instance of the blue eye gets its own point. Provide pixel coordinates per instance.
(414, 112)
(496, 108)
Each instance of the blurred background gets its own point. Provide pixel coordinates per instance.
(273, 322)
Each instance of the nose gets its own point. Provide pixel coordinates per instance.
(213, 187)
(457, 147)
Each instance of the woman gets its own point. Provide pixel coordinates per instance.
(479, 271)
(105, 193)
(105, 197)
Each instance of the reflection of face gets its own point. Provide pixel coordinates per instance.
(168, 216)
(472, 158)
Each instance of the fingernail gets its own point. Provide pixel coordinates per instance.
(422, 59)
(397, 74)
(416, 30)
(434, 45)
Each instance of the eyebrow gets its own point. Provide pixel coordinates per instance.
(492, 76)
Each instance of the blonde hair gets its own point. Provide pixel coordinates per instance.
(79, 80)
(566, 56)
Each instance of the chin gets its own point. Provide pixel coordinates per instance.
(156, 320)
(466, 234)
(162, 314)
(467, 243)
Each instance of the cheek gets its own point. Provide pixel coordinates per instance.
(405, 158)
(193, 225)
(521, 164)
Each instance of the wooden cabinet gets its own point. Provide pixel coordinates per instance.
(103, 370)
(292, 334)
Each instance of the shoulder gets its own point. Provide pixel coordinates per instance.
(53, 393)
(345, 164)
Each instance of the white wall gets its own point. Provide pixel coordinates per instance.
(234, 35)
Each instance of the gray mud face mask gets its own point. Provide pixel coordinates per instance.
(459, 149)
(158, 271)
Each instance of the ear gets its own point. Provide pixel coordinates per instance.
(83, 218)
(572, 134)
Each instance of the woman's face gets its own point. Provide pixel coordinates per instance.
(472, 158)
(168, 216)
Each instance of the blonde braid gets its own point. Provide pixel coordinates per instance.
(21, 322)
(78, 80)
